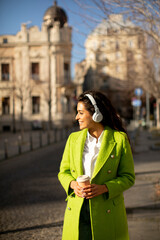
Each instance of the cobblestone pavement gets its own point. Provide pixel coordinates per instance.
(32, 200)
(142, 202)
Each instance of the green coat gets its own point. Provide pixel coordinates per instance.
(115, 168)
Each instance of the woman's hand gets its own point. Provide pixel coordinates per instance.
(89, 191)
(94, 190)
(77, 189)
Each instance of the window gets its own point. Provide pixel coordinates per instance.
(105, 82)
(95, 45)
(117, 45)
(65, 104)
(140, 42)
(66, 72)
(117, 68)
(118, 55)
(103, 57)
(5, 71)
(104, 70)
(91, 56)
(5, 105)
(103, 43)
(35, 105)
(5, 40)
(66, 66)
(35, 71)
(130, 56)
(130, 43)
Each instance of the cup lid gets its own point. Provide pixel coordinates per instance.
(83, 178)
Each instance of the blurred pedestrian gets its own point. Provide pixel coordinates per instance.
(101, 150)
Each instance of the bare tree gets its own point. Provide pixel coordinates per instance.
(22, 92)
(152, 66)
(47, 94)
(145, 14)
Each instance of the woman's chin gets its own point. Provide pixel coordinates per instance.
(81, 126)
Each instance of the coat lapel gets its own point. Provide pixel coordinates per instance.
(106, 148)
(79, 147)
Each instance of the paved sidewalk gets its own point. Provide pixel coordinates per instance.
(142, 201)
(37, 211)
(31, 198)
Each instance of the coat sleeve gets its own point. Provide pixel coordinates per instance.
(65, 177)
(125, 173)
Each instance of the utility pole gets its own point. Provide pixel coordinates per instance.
(147, 110)
(158, 112)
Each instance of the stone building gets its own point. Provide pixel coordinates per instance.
(114, 63)
(35, 75)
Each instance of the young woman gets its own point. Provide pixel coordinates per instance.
(102, 151)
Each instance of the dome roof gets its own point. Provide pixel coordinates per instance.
(53, 14)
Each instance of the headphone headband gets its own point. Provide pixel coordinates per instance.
(97, 116)
(91, 99)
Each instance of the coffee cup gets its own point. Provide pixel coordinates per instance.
(83, 180)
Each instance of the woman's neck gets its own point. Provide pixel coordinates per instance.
(96, 131)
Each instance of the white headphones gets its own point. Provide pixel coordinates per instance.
(97, 116)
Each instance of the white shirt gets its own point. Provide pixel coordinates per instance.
(90, 153)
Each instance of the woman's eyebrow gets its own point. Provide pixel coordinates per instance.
(79, 110)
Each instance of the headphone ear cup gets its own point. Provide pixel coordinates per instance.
(97, 116)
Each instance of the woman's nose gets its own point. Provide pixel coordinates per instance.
(76, 117)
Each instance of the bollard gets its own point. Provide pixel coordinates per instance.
(65, 135)
(55, 135)
(67, 131)
(19, 144)
(40, 138)
(58, 135)
(31, 142)
(6, 148)
(48, 137)
(61, 134)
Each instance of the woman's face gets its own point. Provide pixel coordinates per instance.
(84, 117)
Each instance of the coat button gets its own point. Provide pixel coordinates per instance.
(69, 208)
(112, 156)
(109, 171)
(108, 211)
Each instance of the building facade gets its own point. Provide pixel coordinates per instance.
(35, 79)
(115, 53)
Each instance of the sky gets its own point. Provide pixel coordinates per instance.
(15, 12)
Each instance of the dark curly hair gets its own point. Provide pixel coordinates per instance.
(110, 116)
